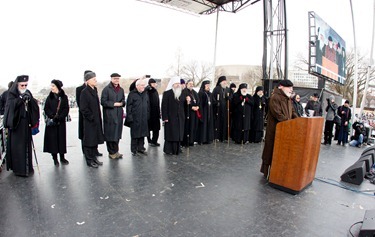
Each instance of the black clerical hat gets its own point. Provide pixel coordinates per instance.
(22, 78)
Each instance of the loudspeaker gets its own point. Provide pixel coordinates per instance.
(368, 159)
(355, 173)
(368, 226)
(369, 150)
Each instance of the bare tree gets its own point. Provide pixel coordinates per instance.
(176, 68)
(347, 90)
(197, 72)
(253, 77)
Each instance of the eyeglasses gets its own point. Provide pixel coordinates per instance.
(23, 85)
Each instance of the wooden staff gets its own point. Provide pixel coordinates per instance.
(228, 109)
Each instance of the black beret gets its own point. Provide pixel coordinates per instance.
(151, 80)
(57, 83)
(22, 78)
(242, 86)
(232, 85)
(89, 75)
(329, 38)
(347, 102)
(286, 83)
(316, 95)
(182, 81)
(115, 75)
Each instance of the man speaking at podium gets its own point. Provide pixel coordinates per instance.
(280, 109)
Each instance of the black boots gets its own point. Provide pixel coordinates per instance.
(63, 160)
(55, 161)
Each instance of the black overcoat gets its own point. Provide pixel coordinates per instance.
(80, 117)
(92, 118)
(55, 136)
(154, 121)
(138, 113)
(173, 111)
(112, 116)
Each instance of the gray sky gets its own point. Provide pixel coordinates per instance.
(49, 39)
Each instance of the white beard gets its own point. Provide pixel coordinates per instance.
(243, 93)
(177, 93)
(22, 91)
(289, 94)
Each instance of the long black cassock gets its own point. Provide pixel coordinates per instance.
(205, 134)
(173, 111)
(220, 98)
(242, 114)
(257, 127)
(191, 117)
(20, 115)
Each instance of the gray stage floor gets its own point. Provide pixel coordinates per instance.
(207, 191)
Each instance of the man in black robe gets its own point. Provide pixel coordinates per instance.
(173, 115)
(205, 134)
(220, 103)
(242, 114)
(20, 115)
(257, 127)
(154, 121)
(113, 100)
(137, 116)
(92, 121)
(192, 114)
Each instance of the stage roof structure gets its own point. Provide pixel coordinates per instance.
(204, 6)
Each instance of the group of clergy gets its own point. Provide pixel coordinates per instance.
(203, 117)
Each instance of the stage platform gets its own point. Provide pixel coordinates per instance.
(209, 190)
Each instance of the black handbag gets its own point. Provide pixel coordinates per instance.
(49, 121)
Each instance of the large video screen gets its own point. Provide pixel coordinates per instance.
(329, 57)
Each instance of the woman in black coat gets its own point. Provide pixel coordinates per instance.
(57, 108)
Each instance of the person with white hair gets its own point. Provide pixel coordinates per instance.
(137, 115)
(173, 115)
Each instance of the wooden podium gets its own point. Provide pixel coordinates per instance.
(295, 153)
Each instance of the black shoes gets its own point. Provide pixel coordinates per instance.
(154, 144)
(92, 165)
(143, 152)
(64, 161)
(99, 154)
(96, 161)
